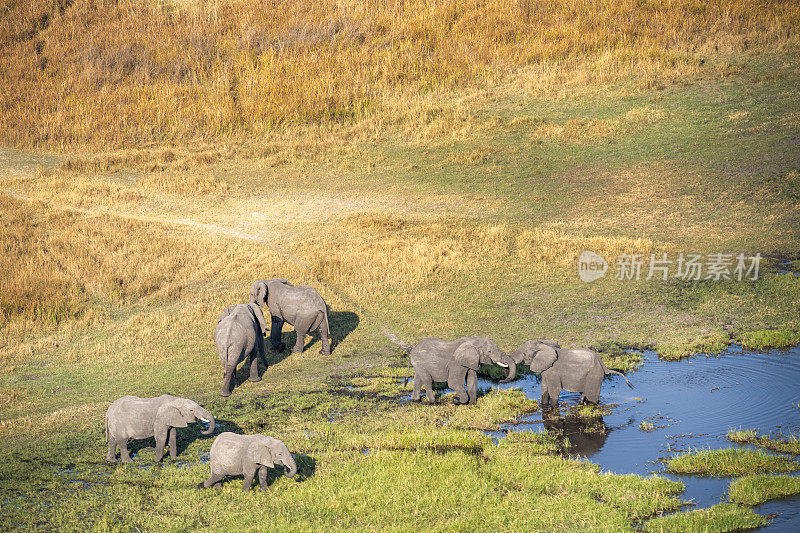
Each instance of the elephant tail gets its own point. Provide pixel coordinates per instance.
(609, 371)
(403, 345)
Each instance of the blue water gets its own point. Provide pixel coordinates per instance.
(693, 404)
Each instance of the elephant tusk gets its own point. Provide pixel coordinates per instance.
(203, 419)
(501, 364)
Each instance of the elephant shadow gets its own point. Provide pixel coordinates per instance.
(579, 435)
(184, 438)
(342, 324)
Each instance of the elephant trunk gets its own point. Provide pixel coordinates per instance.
(512, 371)
(291, 469)
(205, 416)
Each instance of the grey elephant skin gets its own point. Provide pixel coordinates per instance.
(233, 455)
(240, 334)
(455, 362)
(300, 306)
(575, 370)
(131, 417)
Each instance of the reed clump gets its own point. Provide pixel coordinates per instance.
(120, 73)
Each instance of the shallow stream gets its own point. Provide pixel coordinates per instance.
(692, 404)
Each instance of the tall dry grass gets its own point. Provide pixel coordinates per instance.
(58, 266)
(128, 72)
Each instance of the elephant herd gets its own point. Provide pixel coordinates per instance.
(239, 335)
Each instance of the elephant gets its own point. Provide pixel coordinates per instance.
(233, 454)
(240, 334)
(300, 306)
(575, 370)
(435, 359)
(131, 417)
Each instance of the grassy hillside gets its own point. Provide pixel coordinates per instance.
(120, 73)
(432, 168)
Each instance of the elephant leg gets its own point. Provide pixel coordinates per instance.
(215, 480)
(254, 365)
(111, 456)
(262, 352)
(425, 380)
(275, 330)
(301, 328)
(262, 477)
(555, 392)
(417, 387)
(323, 336)
(592, 392)
(248, 481)
(173, 443)
(229, 381)
(161, 441)
(472, 386)
(123, 451)
(455, 380)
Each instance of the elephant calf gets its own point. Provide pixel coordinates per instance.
(131, 417)
(232, 455)
(240, 334)
(455, 361)
(575, 370)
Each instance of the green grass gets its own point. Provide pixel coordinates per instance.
(730, 462)
(720, 518)
(750, 436)
(646, 426)
(755, 490)
(769, 338)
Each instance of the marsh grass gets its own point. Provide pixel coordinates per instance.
(646, 426)
(494, 408)
(719, 518)
(730, 462)
(790, 445)
(755, 490)
(770, 338)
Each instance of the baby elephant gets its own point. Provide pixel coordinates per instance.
(232, 455)
(131, 417)
(240, 334)
(574, 370)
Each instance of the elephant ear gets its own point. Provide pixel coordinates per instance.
(259, 292)
(169, 415)
(259, 453)
(467, 355)
(544, 358)
(228, 310)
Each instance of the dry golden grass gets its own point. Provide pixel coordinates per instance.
(376, 253)
(55, 263)
(168, 70)
(575, 130)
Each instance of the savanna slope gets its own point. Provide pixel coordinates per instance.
(120, 73)
(433, 168)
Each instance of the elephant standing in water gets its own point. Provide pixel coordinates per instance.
(233, 454)
(454, 361)
(301, 306)
(575, 370)
(131, 417)
(240, 334)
